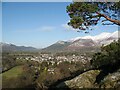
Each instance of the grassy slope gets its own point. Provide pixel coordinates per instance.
(9, 76)
(14, 72)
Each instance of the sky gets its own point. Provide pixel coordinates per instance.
(40, 24)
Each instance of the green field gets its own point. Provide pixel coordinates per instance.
(14, 72)
(10, 77)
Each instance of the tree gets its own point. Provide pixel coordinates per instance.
(83, 15)
(108, 58)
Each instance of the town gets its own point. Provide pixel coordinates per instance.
(55, 60)
(50, 58)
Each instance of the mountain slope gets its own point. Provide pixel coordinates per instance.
(99, 37)
(84, 43)
(12, 47)
(58, 46)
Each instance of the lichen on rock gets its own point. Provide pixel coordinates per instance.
(111, 81)
(85, 80)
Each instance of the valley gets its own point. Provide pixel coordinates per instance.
(60, 45)
(40, 67)
(78, 66)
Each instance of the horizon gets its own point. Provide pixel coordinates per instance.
(65, 40)
(34, 24)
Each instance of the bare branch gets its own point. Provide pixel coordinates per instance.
(104, 20)
(109, 19)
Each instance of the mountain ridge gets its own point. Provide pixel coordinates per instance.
(74, 44)
(82, 43)
(98, 37)
(11, 47)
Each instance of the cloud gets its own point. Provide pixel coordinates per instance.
(46, 28)
(67, 27)
(40, 29)
(70, 28)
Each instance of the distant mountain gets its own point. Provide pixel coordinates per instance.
(103, 38)
(86, 43)
(11, 47)
(58, 46)
(83, 45)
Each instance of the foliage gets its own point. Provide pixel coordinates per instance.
(85, 14)
(108, 58)
(8, 61)
(37, 74)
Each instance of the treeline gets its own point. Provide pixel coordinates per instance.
(8, 61)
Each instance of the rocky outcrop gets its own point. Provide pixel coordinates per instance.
(111, 81)
(85, 80)
(88, 80)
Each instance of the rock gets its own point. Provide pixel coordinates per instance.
(111, 81)
(88, 79)
(85, 80)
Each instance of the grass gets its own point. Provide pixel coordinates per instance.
(11, 77)
(17, 77)
(12, 73)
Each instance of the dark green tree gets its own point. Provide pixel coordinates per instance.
(108, 58)
(83, 15)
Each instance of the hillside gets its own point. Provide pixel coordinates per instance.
(105, 71)
(86, 43)
(11, 47)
